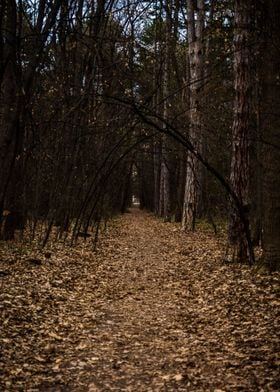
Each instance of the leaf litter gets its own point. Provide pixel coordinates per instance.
(154, 309)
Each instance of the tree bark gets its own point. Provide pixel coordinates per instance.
(165, 203)
(11, 134)
(195, 53)
(156, 167)
(270, 123)
(239, 243)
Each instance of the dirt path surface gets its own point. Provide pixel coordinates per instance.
(153, 310)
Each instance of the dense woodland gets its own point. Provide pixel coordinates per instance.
(172, 103)
(139, 195)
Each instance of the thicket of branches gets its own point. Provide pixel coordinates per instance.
(172, 102)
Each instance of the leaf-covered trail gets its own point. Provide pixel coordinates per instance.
(154, 310)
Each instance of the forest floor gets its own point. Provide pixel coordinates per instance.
(154, 309)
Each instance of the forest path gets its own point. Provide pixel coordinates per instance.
(154, 310)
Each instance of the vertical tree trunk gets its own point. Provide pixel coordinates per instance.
(238, 233)
(256, 167)
(270, 123)
(156, 166)
(165, 204)
(157, 139)
(195, 52)
(11, 133)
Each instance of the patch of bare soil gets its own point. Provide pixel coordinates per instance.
(154, 310)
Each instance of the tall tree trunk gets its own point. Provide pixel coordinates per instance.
(240, 248)
(11, 134)
(165, 170)
(157, 140)
(270, 123)
(156, 167)
(165, 203)
(256, 168)
(195, 52)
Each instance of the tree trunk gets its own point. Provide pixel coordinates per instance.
(193, 168)
(156, 167)
(270, 123)
(11, 134)
(238, 231)
(157, 144)
(165, 203)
